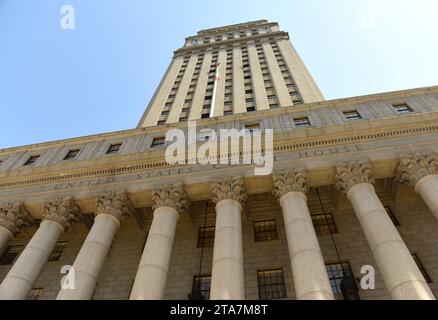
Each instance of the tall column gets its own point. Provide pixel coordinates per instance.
(111, 209)
(12, 218)
(402, 277)
(421, 172)
(227, 280)
(151, 278)
(308, 267)
(57, 216)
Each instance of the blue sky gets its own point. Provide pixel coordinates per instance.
(57, 83)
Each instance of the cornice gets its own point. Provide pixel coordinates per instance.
(123, 164)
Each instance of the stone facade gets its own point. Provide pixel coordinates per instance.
(345, 191)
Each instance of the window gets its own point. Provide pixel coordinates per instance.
(352, 115)
(342, 281)
(11, 253)
(271, 284)
(161, 122)
(206, 236)
(57, 252)
(402, 108)
(324, 224)
(35, 294)
(205, 116)
(422, 268)
(251, 128)
(302, 122)
(201, 288)
(392, 216)
(265, 231)
(32, 160)
(114, 148)
(250, 109)
(158, 142)
(72, 154)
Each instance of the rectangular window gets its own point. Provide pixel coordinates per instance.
(161, 122)
(32, 160)
(422, 268)
(206, 236)
(392, 216)
(302, 122)
(324, 224)
(72, 154)
(114, 148)
(265, 231)
(271, 284)
(35, 294)
(11, 254)
(402, 108)
(201, 288)
(57, 252)
(158, 142)
(352, 115)
(251, 128)
(342, 281)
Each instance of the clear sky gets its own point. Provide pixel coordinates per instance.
(57, 83)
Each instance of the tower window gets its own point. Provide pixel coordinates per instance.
(201, 288)
(352, 115)
(271, 284)
(342, 281)
(57, 252)
(265, 231)
(158, 142)
(11, 253)
(72, 154)
(206, 236)
(32, 160)
(114, 148)
(324, 224)
(302, 122)
(402, 108)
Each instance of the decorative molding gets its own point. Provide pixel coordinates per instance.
(142, 167)
(14, 216)
(232, 188)
(62, 211)
(289, 180)
(114, 203)
(173, 196)
(415, 166)
(352, 173)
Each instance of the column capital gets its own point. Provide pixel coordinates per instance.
(229, 188)
(289, 180)
(170, 195)
(114, 203)
(14, 216)
(415, 166)
(350, 173)
(62, 211)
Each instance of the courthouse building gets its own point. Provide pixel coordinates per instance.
(355, 184)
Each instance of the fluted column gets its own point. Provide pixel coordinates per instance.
(402, 277)
(308, 268)
(151, 278)
(12, 218)
(227, 280)
(421, 172)
(111, 209)
(57, 216)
